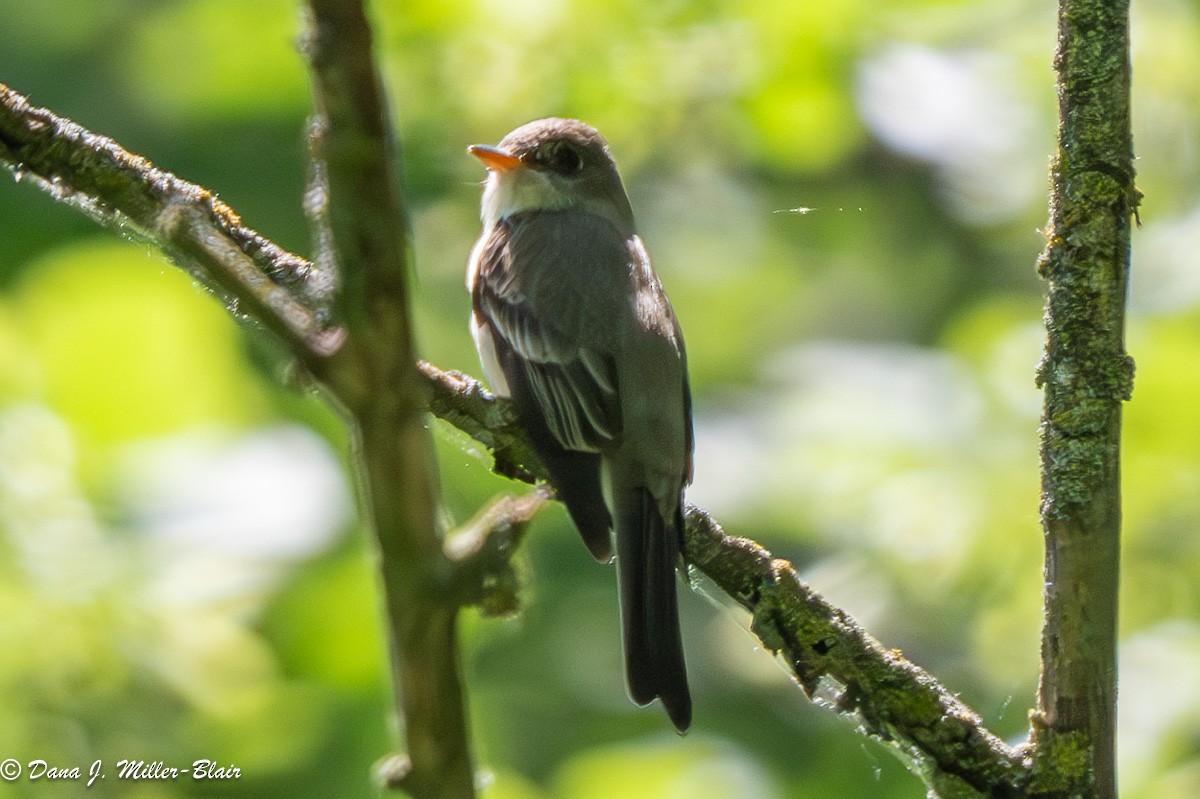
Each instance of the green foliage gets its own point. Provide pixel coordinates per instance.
(863, 376)
(166, 362)
(232, 49)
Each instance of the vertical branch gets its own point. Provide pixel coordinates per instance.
(368, 233)
(1086, 376)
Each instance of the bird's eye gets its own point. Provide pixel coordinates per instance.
(559, 157)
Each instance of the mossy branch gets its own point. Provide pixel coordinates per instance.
(128, 194)
(1086, 375)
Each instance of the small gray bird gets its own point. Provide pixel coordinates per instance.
(571, 322)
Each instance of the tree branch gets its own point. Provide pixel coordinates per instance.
(1086, 375)
(465, 403)
(367, 233)
(125, 192)
(835, 661)
(482, 551)
(839, 665)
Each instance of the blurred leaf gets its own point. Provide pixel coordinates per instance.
(129, 347)
(18, 367)
(227, 58)
(694, 769)
(327, 626)
(509, 786)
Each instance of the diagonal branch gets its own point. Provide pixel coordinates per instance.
(834, 661)
(125, 192)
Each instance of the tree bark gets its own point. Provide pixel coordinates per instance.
(1086, 375)
(365, 225)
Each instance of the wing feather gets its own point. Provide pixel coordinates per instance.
(550, 319)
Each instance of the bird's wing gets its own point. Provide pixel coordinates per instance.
(536, 289)
(662, 348)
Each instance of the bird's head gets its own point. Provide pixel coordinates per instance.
(552, 165)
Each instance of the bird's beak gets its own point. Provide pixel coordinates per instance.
(495, 159)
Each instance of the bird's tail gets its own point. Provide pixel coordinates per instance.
(647, 548)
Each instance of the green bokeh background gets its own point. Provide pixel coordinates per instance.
(181, 572)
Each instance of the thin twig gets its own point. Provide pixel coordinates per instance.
(482, 550)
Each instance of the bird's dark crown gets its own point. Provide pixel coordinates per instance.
(532, 135)
(567, 147)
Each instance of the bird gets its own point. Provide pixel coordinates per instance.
(572, 324)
